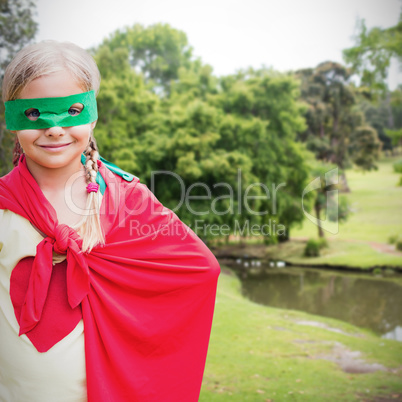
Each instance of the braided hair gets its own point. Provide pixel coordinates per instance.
(91, 228)
(17, 152)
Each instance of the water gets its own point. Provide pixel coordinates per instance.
(364, 300)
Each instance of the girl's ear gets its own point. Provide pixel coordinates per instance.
(93, 124)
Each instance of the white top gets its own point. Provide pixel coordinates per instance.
(27, 375)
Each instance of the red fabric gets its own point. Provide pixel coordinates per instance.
(58, 319)
(147, 296)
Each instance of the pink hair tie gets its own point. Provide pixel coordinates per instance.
(92, 188)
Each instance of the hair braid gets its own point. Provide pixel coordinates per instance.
(91, 164)
(91, 229)
(17, 152)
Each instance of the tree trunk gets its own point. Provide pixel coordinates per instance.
(343, 183)
(317, 207)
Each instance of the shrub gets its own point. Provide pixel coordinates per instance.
(398, 244)
(312, 248)
(398, 166)
(392, 239)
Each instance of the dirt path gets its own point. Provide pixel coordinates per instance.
(385, 248)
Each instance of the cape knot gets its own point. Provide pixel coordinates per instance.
(62, 235)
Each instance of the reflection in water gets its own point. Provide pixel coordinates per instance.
(360, 300)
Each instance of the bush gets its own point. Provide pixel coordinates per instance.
(398, 244)
(392, 239)
(398, 166)
(323, 243)
(314, 246)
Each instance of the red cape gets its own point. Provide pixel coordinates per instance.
(146, 297)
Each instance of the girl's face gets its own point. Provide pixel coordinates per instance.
(55, 147)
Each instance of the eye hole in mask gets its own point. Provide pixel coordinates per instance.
(74, 110)
(32, 114)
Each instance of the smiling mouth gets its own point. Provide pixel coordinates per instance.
(54, 146)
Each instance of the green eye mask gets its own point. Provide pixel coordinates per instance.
(51, 112)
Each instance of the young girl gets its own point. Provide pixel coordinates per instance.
(105, 295)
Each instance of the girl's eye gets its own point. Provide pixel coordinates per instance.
(75, 109)
(73, 112)
(32, 114)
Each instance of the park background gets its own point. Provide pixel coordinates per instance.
(275, 94)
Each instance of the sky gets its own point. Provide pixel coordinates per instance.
(229, 34)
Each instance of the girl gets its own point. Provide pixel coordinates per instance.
(105, 295)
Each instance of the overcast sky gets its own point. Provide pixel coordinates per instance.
(229, 34)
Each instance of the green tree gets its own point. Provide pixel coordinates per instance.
(127, 111)
(378, 116)
(371, 56)
(395, 102)
(336, 130)
(17, 29)
(200, 133)
(261, 117)
(157, 51)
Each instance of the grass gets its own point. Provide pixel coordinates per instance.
(259, 353)
(376, 202)
(339, 252)
(376, 214)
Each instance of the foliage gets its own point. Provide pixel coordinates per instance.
(17, 29)
(393, 239)
(336, 131)
(157, 52)
(396, 137)
(380, 117)
(372, 53)
(395, 101)
(201, 143)
(127, 112)
(365, 147)
(398, 244)
(398, 166)
(314, 246)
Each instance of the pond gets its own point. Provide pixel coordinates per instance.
(365, 300)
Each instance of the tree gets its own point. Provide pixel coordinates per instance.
(127, 111)
(325, 200)
(163, 111)
(157, 51)
(17, 29)
(378, 117)
(371, 56)
(336, 131)
(261, 117)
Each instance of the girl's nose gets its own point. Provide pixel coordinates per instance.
(54, 131)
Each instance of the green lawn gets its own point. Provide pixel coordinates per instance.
(357, 254)
(376, 203)
(260, 353)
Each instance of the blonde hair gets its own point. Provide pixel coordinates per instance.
(49, 57)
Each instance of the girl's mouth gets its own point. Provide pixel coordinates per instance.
(54, 147)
